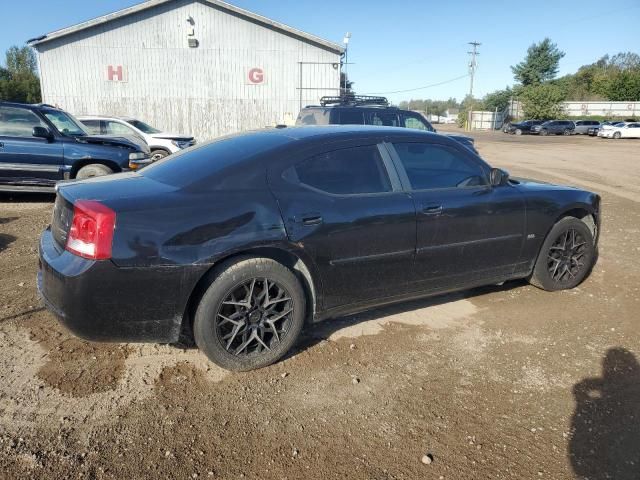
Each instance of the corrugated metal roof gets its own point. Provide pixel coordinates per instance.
(286, 29)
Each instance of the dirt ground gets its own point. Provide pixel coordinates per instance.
(498, 382)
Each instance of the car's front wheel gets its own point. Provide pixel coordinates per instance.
(251, 314)
(566, 256)
(518, 131)
(158, 154)
(566, 132)
(93, 170)
(617, 135)
(544, 132)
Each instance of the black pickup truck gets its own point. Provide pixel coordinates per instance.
(41, 145)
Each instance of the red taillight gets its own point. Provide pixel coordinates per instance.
(91, 233)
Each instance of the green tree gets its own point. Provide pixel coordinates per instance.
(499, 99)
(540, 65)
(19, 81)
(542, 102)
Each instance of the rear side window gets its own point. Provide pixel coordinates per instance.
(384, 119)
(351, 117)
(432, 166)
(410, 121)
(93, 126)
(18, 122)
(313, 117)
(349, 171)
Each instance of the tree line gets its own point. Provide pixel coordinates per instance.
(541, 92)
(19, 80)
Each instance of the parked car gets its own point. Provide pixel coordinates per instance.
(368, 110)
(41, 145)
(160, 143)
(583, 126)
(554, 127)
(623, 130)
(593, 131)
(520, 128)
(605, 127)
(296, 225)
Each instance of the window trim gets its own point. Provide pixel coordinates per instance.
(387, 165)
(43, 122)
(404, 178)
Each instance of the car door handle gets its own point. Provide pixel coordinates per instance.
(309, 219)
(432, 210)
(1, 145)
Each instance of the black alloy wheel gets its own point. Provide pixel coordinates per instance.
(251, 314)
(255, 316)
(565, 258)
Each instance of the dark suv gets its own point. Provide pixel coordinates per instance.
(41, 144)
(554, 127)
(367, 110)
(520, 128)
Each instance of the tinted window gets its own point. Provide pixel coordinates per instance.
(347, 171)
(202, 162)
(18, 122)
(430, 166)
(351, 117)
(384, 119)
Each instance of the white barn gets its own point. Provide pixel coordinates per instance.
(200, 67)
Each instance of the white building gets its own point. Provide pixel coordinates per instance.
(202, 67)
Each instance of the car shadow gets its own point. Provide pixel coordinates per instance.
(25, 197)
(6, 240)
(321, 331)
(605, 435)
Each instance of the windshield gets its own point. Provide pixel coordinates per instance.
(65, 123)
(143, 127)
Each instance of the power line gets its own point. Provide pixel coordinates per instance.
(419, 88)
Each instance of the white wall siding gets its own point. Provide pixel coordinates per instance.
(203, 91)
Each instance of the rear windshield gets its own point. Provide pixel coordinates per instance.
(209, 159)
(313, 116)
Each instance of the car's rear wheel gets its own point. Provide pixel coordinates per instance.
(251, 314)
(566, 256)
(617, 135)
(518, 131)
(93, 170)
(544, 132)
(158, 154)
(566, 132)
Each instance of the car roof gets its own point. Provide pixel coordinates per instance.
(348, 131)
(31, 106)
(354, 107)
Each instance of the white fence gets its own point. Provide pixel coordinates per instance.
(486, 120)
(606, 109)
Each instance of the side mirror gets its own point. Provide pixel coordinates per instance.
(42, 132)
(498, 177)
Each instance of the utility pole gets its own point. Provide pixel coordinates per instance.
(473, 64)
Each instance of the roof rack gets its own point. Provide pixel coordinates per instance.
(354, 100)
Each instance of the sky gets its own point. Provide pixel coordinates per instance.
(404, 44)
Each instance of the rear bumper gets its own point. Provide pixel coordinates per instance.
(100, 301)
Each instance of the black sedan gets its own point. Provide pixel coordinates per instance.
(242, 241)
(520, 128)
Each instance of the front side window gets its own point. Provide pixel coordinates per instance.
(65, 123)
(144, 127)
(117, 128)
(415, 122)
(18, 122)
(432, 166)
(349, 171)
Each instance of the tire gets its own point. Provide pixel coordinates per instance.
(544, 133)
(158, 154)
(93, 170)
(617, 135)
(518, 131)
(578, 256)
(220, 313)
(566, 132)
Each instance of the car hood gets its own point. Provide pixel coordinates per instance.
(171, 136)
(131, 142)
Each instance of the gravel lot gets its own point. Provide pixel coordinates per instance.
(499, 382)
